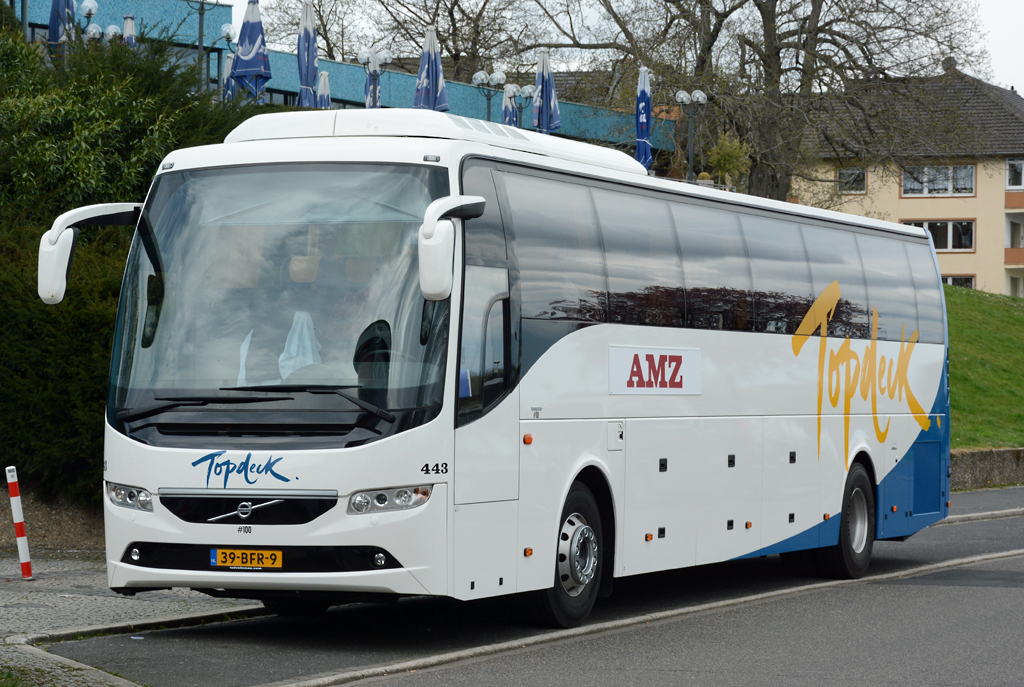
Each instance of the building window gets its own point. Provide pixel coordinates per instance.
(943, 180)
(1015, 174)
(852, 180)
(1015, 287)
(949, 235)
(961, 281)
(1016, 235)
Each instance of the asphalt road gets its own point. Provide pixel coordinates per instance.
(954, 626)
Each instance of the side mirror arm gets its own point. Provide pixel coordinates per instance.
(56, 247)
(462, 207)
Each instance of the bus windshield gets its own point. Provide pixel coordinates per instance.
(297, 276)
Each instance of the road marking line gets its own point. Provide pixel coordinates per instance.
(990, 515)
(88, 670)
(597, 628)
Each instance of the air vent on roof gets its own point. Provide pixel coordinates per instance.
(495, 129)
(460, 122)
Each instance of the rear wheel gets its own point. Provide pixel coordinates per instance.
(578, 566)
(849, 559)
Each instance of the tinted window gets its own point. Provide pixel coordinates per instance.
(645, 278)
(715, 268)
(485, 238)
(890, 286)
(833, 256)
(561, 263)
(482, 355)
(929, 298)
(782, 279)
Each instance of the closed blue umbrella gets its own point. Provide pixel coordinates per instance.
(509, 113)
(62, 22)
(643, 119)
(251, 66)
(431, 93)
(323, 92)
(230, 85)
(546, 117)
(128, 37)
(308, 62)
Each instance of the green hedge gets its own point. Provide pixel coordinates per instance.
(88, 126)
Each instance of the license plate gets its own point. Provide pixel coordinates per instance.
(245, 558)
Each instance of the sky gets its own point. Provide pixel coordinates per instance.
(1003, 21)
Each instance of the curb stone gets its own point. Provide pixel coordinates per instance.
(138, 626)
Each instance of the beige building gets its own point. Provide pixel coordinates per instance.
(974, 209)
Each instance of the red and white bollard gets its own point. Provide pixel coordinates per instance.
(19, 523)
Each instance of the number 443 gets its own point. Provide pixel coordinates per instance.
(437, 469)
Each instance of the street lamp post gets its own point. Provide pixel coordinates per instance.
(200, 51)
(228, 33)
(690, 105)
(92, 31)
(523, 98)
(482, 79)
(375, 65)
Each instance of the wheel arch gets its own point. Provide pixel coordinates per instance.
(597, 482)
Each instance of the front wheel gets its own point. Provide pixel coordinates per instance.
(849, 559)
(578, 566)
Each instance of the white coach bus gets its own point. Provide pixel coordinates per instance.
(407, 353)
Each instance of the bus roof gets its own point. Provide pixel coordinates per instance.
(426, 124)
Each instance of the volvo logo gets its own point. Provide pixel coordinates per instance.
(245, 509)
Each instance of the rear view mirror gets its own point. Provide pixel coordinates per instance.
(55, 265)
(437, 243)
(57, 246)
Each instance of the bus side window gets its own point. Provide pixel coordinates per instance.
(483, 355)
(485, 235)
(782, 279)
(929, 298)
(645, 276)
(561, 263)
(715, 268)
(890, 286)
(834, 256)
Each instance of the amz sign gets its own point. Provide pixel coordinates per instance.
(638, 370)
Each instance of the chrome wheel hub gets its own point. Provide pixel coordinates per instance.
(858, 521)
(577, 555)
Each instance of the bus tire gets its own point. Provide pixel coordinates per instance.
(578, 566)
(297, 606)
(849, 559)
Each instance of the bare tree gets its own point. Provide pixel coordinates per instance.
(786, 75)
(341, 31)
(472, 34)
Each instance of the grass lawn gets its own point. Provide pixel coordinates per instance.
(986, 368)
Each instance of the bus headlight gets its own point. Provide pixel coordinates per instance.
(130, 497)
(377, 500)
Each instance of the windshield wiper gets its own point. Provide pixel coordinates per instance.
(319, 389)
(131, 415)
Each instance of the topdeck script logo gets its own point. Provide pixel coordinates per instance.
(219, 467)
(662, 371)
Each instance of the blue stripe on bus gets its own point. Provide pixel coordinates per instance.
(918, 486)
